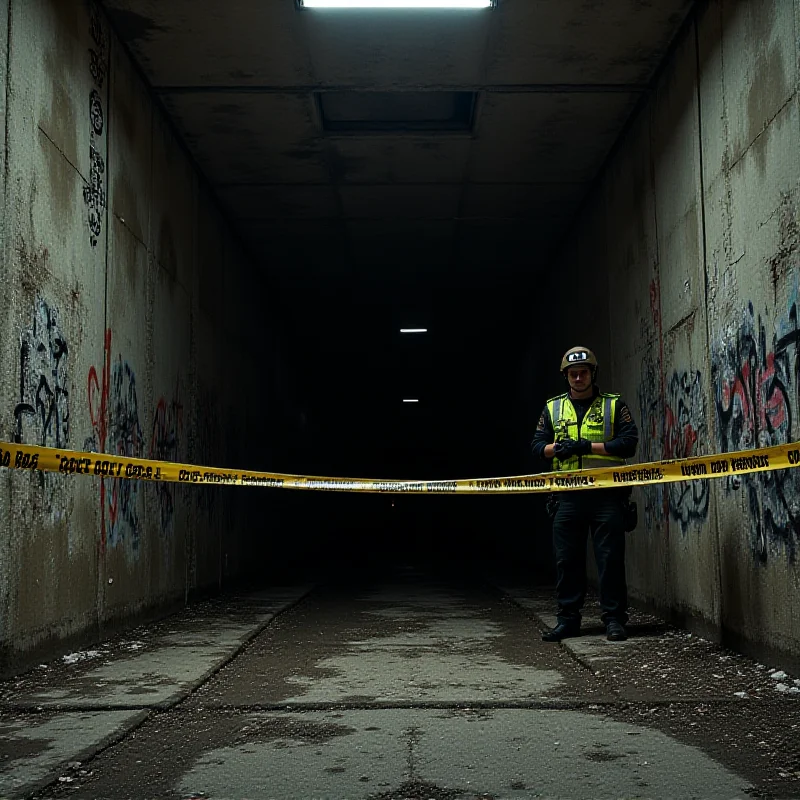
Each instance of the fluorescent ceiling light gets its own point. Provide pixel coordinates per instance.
(396, 3)
(413, 330)
(410, 401)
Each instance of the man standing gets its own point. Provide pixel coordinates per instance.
(585, 428)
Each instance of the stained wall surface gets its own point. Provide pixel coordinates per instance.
(692, 233)
(127, 325)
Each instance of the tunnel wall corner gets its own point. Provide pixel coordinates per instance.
(118, 270)
(700, 208)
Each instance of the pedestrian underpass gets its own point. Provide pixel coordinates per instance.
(219, 226)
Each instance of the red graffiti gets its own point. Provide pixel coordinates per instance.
(679, 437)
(98, 413)
(655, 302)
(757, 399)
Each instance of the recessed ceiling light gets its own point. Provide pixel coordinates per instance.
(413, 330)
(407, 400)
(396, 3)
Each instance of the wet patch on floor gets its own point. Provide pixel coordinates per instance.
(270, 729)
(14, 747)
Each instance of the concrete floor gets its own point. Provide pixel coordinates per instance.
(413, 687)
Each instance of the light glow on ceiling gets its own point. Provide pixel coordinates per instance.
(410, 401)
(413, 330)
(396, 3)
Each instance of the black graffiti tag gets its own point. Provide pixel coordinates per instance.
(94, 194)
(43, 406)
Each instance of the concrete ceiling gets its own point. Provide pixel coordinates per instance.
(425, 224)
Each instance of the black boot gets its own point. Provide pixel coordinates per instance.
(615, 631)
(564, 630)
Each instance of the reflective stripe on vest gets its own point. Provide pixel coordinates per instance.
(597, 426)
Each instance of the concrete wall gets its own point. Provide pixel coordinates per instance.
(693, 232)
(128, 325)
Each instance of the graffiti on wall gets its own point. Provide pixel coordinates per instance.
(117, 429)
(124, 438)
(755, 386)
(114, 414)
(94, 194)
(42, 414)
(164, 441)
(673, 425)
(686, 434)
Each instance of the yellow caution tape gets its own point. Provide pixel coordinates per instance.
(69, 462)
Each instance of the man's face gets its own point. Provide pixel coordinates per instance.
(580, 378)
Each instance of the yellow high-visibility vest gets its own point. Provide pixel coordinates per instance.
(597, 426)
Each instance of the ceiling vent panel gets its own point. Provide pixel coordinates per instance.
(358, 112)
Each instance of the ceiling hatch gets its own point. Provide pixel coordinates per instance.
(396, 112)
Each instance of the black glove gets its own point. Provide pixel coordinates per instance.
(567, 448)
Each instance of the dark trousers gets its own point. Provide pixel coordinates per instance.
(599, 512)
